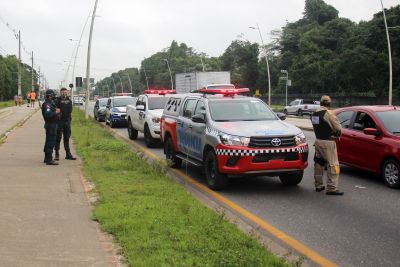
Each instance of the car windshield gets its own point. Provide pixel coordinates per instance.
(103, 102)
(240, 110)
(390, 120)
(157, 102)
(123, 102)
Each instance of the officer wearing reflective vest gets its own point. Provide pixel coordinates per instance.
(50, 115)
(64, 124)
(327, 129)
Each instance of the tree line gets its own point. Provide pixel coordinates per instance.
(9, 77)
(322, 52)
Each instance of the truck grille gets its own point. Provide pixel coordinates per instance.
(266, 141)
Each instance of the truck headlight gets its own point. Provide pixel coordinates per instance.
(232, 140)
(300, 139)
(155, 119)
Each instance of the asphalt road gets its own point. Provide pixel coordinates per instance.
(360, 228)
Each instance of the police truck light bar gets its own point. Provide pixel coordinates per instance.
(225, 92)
(159, 92)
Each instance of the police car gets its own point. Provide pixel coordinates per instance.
(230, 134)
(145, 115)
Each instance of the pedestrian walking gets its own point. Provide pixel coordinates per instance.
(28, 99)
(50, 114)
(33, 99)
(327, 129)
(64, 124)
(16, 100)
(19, 100)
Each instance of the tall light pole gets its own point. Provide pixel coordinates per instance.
(170, 74)
(287, 78)
(129, 79)
(115, 87)
(145, 75)
(390, 56)
(266, 59)
(19, 64)
(88, 63)
(33, 86)
(122, 87)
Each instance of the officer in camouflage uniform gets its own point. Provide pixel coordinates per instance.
(327, 129)
(64, 124)
(50, 115)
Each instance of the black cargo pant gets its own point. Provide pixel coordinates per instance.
(51, 136)
(63, 130)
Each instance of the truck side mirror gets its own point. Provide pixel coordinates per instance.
(199, 118)
(281, 116)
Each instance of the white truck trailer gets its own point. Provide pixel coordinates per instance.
(189, 82)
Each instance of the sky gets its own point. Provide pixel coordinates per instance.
(127, 31)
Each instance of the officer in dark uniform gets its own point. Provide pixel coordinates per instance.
(50, 114)
(327, 129)
(64, 124)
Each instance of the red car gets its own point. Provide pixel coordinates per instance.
(371, 140)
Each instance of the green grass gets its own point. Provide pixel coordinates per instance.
(6, 104)
(154, 220)
(277, 108)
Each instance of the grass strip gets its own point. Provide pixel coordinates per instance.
(154, 220)
(6, 104)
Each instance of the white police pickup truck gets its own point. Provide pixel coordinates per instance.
(145, 115)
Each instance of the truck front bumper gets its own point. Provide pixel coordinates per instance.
(244, 160)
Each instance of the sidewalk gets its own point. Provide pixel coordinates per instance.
(11, 116)
(45, 218)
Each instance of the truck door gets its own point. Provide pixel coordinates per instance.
(184, 127)
(198, 132)
(138, 119)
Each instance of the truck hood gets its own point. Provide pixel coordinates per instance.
(157, 113)
(257, 128)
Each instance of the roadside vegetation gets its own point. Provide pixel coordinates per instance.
(154, 220)
(6, 104)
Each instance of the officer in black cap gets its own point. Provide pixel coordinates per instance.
(50, 114)
(64, 124)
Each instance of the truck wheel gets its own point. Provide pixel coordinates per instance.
(299, 112)
(112, 123)
(215, 179)
(390, 173)
(170, 153)
(148, 139)
(106, 120)
(132, 132)
(291, 179)
(285, 111)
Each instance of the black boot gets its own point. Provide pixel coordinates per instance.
(57, 156)
(49, 160)
(69, 156)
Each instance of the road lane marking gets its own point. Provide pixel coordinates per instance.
(290, 241)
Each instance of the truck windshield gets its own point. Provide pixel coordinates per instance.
(240, 110)
(123, 102)
(157, 102)
(103, 102)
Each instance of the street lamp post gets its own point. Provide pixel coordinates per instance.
(266, 59)
(390, 56)
(287, 78)
(122, 87)
(130, 83)
(88, 63)
(170, 74)
(115, 87)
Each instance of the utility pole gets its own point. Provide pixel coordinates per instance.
(145, 75)
(19, 64)
(88, 64)
(390, 56)
(122, 87)
(33, 86)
